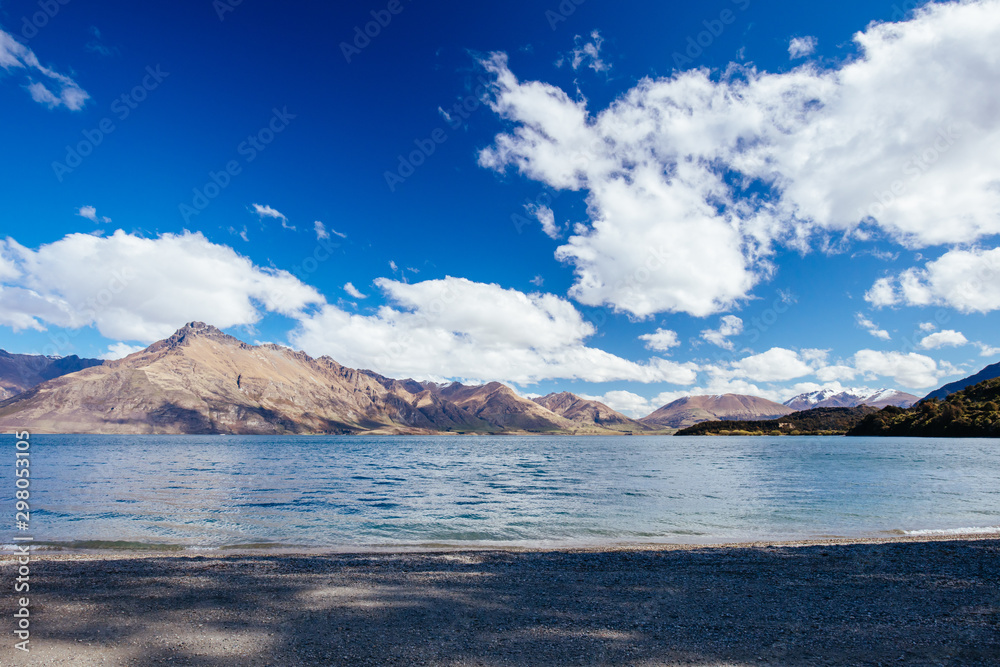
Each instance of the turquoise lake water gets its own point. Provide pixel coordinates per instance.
(207, 492)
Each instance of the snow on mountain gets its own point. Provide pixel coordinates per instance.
(851, 397)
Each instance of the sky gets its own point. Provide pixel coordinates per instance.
(632, 201)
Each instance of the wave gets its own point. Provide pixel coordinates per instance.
(977, 530)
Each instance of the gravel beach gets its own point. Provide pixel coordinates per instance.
(906, 601)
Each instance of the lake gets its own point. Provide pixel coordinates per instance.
(346, 492)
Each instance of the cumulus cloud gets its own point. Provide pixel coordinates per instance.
(731, 326)
(800, 47)
(776, 365)
(661, 340)
(56, 90)
(928, 326)
(946, 338)
(90, 213)
(120, 351)
(987, 350)
(456, 328)
(625, 402)
(910, 370)
(691, 181)
(266, 211)
(967, 280)
(354, 291)
(872, 328)
(141, 289)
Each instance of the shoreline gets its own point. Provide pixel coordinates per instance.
(925, 600)
(59, 552)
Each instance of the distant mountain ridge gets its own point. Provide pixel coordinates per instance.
(850, 398)
(988, 373)
(21, 372)
(694, 409)
(202, 380)
(587, 411)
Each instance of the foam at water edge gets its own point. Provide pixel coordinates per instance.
(979, 530)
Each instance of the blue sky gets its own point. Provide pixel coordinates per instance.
(633, 201)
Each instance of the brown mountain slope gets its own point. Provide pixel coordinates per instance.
(20, 372)
(694, 409)
(589, 412)
(201, 380)
(498, 404)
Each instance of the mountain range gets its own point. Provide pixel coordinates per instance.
(694, 409)
(988, 373)
(202, 380)
(851, 398)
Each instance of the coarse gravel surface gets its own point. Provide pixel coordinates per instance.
(872, 602)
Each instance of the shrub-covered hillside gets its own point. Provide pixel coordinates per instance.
(970, 413)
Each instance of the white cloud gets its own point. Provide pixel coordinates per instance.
(60, 90)
(928, 326)
(266, 211)
(625, 402)
(140, 289)
(90, 213)
(873, 328)
(455, 328)
(323, 233)
(120, 351)
(800, 47)
(354, 291)
(731, 326)
(776, 365)
(661, 340)
(967, 280)
(589, 53)
(946, 338)
(987, 350)
(901, 138)
(545, 216)
(910, 370)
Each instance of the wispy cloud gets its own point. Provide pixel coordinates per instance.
(266, 211)
(731, 326)
(57, 89)
(587, 54)
(873, 328)
(323, 233)
(354, 291)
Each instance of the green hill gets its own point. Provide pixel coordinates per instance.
(818, 421)
(969, 413)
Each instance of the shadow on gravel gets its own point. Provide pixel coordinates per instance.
(923, 603)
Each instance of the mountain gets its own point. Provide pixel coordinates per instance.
(817, 421)
(589, 412)
(971, 412)
(987, 373)
(201, 380)
(849, 398)
(693, 409)
(20, 372)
